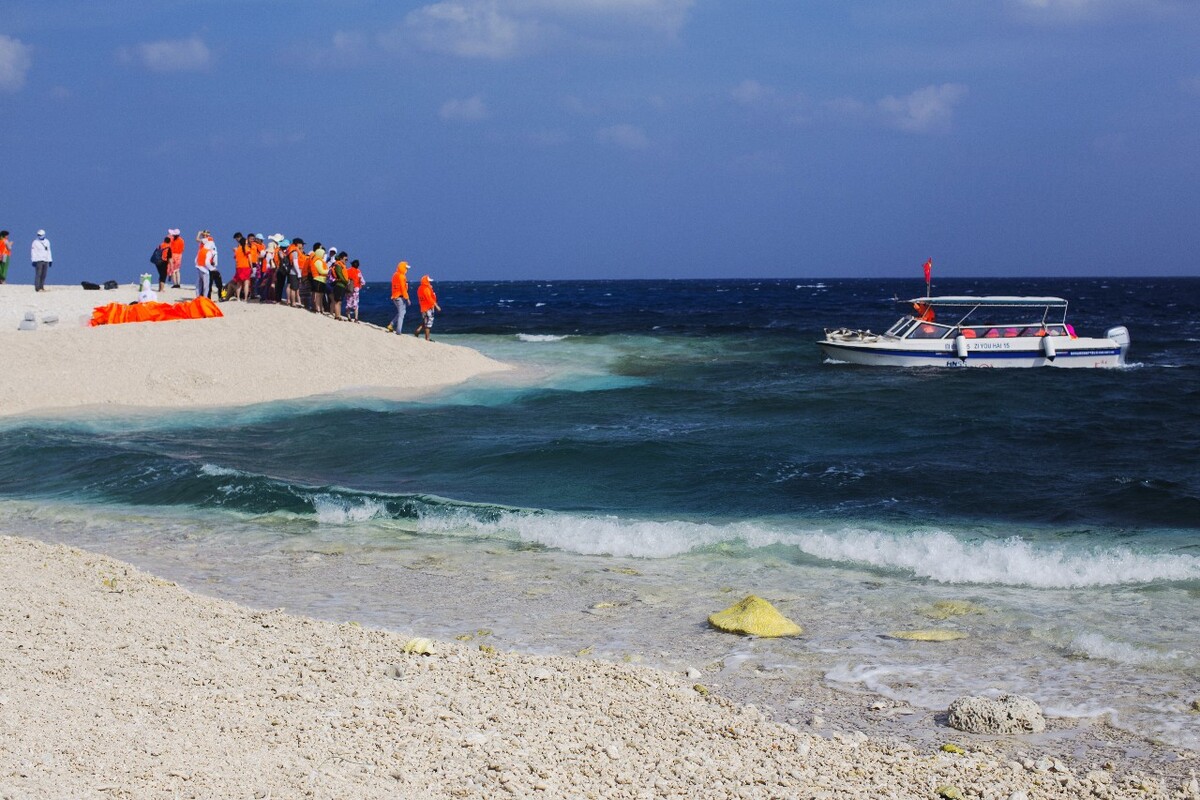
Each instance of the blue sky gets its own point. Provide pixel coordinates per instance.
(483, 139)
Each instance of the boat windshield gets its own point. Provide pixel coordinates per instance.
(901, 327)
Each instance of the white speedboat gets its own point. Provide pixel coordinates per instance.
(979, 332)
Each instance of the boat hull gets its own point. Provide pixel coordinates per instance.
(1069, 353)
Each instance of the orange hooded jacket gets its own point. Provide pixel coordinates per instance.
(400, 281)
(425, 295)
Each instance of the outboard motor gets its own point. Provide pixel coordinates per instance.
(1120, 335)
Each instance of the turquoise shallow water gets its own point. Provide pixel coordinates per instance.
(666, 448)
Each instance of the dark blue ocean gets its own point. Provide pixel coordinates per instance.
(665, 447)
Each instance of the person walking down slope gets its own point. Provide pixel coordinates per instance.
(428, 302)
(399, 296)
(5, 253)
(39, 254)
(354, 273)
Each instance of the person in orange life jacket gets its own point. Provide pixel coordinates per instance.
(338, 283)
(305, 278)
(5, 253)
(239, 287)
(273, 278)
(399, 296)
(295, 255)
(428, 302)
(206, 263)
(162, 262)
(354, 274)
(275, 251)
(176, 257)
(254, 244)
(319, 271)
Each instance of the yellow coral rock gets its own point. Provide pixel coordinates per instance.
(933, 635)
(755, 617)
(945, 609)
(950, 747)
(419, 646)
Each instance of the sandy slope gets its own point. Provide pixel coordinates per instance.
(255, 353)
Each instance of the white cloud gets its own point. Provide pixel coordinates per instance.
(471, 29)
(624, 135)
(471, 109)
(661, 15)
(1082, 10)
(170, 55)
(499, 29)
(790, 107)
(15, 61)
(752, 93)
(925, 110)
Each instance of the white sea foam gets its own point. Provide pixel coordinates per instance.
(934, 555)
(220, 472)
(539, 337)
(341, 510)
(1098, 646)
(1015, 562)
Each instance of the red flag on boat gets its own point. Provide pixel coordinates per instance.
(928, 269)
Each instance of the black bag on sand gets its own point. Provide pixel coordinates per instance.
(110, 284)
(89, 285)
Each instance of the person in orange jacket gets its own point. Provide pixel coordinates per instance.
(354, 273)
(177, 245)
(399, 296)
(5, 253)
(428, 302)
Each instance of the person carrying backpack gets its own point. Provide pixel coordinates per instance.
(161, 259)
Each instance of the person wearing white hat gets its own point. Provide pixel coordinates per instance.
(39, 254)
(177, 246)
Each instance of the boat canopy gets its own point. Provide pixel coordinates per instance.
(988, 300)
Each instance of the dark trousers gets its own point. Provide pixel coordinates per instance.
(214, 282)
(39, 275)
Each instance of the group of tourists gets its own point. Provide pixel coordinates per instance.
(39, 254)
(274, 269)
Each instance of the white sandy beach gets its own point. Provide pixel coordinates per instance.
(254, 354)
(119, 684)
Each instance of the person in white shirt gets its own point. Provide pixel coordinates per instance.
(39, 254)
(206, 259)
